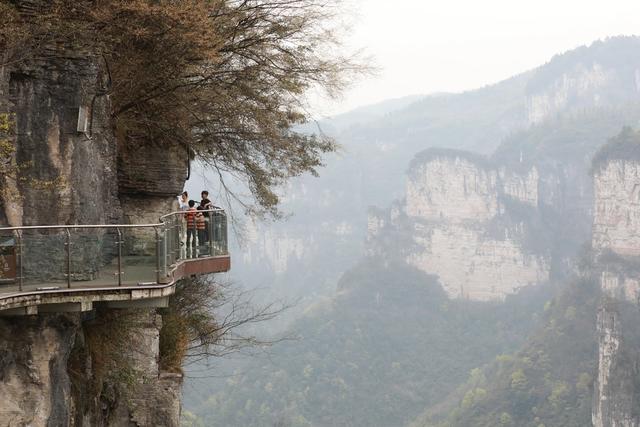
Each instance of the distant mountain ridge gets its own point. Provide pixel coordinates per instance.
(605, 73)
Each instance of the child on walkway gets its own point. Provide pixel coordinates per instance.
(191, 216)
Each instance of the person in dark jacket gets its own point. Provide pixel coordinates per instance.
(205, 204)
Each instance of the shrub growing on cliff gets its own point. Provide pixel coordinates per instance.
(226, 79)
(203, 321)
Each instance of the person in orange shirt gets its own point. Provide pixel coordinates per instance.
(191, 216)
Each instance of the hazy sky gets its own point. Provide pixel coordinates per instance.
(425, 46)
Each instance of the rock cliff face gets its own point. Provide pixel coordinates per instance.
(616, 224)
(35, 353)
(149, 179)
(272, 249)
(69, 173)
(468, 222)
(581, 86)
(53, 183)
(585, 78)
(616, 241)
(51, 378)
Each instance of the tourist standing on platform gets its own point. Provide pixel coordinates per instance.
(183, 201)
(183, 205)
(205, 204)
(190, 216)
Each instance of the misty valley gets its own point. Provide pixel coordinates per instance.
(464, 260)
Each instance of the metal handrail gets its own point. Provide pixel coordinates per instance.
(110, 226)
(170, 241)
(183, 212)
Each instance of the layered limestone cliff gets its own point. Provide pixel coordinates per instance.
(69, 168)
(582, 79)
(58, 370)
(55, 179)
(581, 86)
(464, 226)
(616, 242)
(616, 224)
(272, 248)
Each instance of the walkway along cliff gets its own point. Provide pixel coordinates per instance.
(79, 332)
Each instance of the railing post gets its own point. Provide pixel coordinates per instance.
(119, 256)
(176, 249)
(19, 257)
(68, 247)
(224, 244)
(211, 231)
(157, 254)
(166, 242)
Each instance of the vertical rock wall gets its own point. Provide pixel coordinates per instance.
(34, 383)
(456, 205)
(143, 396)
(67, 176)
(616, 224)
(50, 378)
(581, 86)
(452, 189)
(64, 176)
(616, 239)
(149, 178)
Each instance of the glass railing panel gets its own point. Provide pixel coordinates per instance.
(207, 236)
(172, 229)
(42, 258)
(164, 247)
(94, 257)
(8, 260)
(107, 256)
(139, 261)
(204, 235)
(219, 233)
(194, 236)
(177, 235)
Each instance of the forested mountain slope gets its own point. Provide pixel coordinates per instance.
(389, 344)
(549, 382)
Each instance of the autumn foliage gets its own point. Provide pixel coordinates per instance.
(226, 79)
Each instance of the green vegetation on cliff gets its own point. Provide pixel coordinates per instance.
(568, 140)
(547, 383)
(387, 346)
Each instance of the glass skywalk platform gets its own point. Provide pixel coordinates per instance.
(61, 268)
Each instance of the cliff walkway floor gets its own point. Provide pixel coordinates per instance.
(73, 268)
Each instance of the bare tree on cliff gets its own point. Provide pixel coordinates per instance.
(226, 79)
